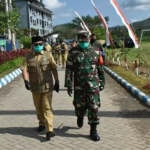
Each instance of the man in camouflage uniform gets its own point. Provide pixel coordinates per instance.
(97, 46)
(83, 63)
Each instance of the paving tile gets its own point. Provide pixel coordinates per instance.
(124, 123)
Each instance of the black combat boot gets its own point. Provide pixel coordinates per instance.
(50, 134)
(40, 128)
(93, 133)
(79, 122)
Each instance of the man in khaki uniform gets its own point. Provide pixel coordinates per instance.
(57, 53)
(47, 46)
(64, 52)
(37, 71)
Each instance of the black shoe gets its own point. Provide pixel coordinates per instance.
(79, 122)
(93, 133)
(40, 128)
(50, 134)
(94, 136)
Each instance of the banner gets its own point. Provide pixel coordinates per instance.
(83, 23)
(125, 22)
(82, 26)
(102, 19)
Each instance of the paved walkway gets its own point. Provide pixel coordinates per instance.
(125, 124)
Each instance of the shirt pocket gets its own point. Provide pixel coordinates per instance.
(49, 83)
(92, 82)
(45, 65)
(31, 66)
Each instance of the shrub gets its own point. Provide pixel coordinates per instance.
(26, 41)
(10, 65)
(7, 56)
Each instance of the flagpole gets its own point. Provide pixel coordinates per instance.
(85, 26)
(109, 40)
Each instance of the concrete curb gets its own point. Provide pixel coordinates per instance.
(8, 78)
(140, 96)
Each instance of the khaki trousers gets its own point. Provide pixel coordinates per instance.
(43, 105)
(64, 59)
(58, 58)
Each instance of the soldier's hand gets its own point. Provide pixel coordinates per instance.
(69, 91)
(101, 88)
(27, 84)
(56, 86)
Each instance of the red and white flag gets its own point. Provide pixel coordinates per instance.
(83, 23)
(102, 19)
(125, 22)
(82, 26)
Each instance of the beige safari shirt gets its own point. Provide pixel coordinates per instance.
(38, 57)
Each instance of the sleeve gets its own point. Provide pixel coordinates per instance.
(52, 63)
(101, 74)
(24, 65)
(66, 47)
(69, 70)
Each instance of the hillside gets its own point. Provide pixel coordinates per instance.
(139, 25)
(116, 31)
(144, 24)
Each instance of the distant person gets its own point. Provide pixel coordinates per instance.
(97, 46)
(73, 44)
(47, 46)
(64, 52)
(57, 52)
(38, 71)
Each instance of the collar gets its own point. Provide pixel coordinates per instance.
(41, 53)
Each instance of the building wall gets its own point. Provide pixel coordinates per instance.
(33, 16)
(22, 6)
(39, 20)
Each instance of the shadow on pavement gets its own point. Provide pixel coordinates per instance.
(63, 131)
(23, 131)
(123, 114)
(31, 132)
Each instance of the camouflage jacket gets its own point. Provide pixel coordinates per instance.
(83, 65)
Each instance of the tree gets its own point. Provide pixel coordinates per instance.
(100, 33)
(93, 24)
(9, 20)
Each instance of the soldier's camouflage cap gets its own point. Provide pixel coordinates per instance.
(83, 34)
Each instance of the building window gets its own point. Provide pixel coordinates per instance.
(37, 21)
(31, 19)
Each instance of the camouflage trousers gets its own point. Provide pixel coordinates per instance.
(87, 101)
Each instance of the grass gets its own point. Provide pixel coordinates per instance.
(130, 77)
(133, 53)
(10, 66)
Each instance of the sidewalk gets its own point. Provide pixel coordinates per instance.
(125, 124)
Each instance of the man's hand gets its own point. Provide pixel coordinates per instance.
(56, 86)
(101, 88)
(27, 84)
(69, 91)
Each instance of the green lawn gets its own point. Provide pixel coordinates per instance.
(132, 53)
(10, 66)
